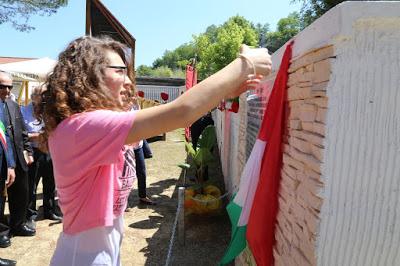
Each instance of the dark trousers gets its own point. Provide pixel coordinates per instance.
(18, 198)
(140, 172)
(146, 150)
(42, 167)
(4, 229)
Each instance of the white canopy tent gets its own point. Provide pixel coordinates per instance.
(36, 69)
(29, 73)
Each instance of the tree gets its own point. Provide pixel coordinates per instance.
(313, 9)
(286, 29)
(144, 71)
(218, 46)
(18, 12)
(159, 72)
(176, 59)
(262, 31)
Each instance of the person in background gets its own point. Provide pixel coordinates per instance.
(141, 166)
(20, 145)
(42, 165)
(7, 177)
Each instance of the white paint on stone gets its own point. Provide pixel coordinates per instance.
(361, 170)
(337, 23)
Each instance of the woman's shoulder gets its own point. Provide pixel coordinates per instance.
(83, 117)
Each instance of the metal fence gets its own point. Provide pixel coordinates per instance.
(154, 92)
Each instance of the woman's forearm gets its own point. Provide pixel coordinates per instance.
(192, 104)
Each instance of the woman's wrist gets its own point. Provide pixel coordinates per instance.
(249, 62)
(245, 69)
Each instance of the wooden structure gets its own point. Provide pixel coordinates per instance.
(100, 21)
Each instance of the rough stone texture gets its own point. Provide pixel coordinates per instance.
(339, 197)
(299, 199)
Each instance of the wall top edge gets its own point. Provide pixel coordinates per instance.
(338, 21)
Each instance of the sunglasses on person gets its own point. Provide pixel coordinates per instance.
(3, 87)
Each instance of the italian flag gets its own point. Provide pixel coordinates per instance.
(254, 208)
(3, 135)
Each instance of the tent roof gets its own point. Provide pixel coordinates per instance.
(30, 70)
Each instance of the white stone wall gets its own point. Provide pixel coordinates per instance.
(344, 133)
(360, 215)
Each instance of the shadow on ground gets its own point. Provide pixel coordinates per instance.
(207, 236)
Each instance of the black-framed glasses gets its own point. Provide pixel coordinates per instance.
(3, 87)
(118, 67)
(123, 69)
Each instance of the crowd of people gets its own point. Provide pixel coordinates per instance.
(84, 121)
(22, 165)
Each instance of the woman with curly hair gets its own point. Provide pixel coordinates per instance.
(88, 129)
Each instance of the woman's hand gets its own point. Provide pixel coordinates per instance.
(250, 84)
(257, 58)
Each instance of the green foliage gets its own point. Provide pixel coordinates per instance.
(286, 29)
(159, 72)
(313, 9)
(202, 156)
(218, 46)
(176, 59)
(144, 71)
(208, 137)
(18, 12)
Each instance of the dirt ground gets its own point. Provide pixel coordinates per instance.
(147, 228)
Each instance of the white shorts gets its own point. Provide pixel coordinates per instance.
(97, 246)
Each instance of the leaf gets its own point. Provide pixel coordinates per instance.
(203, 157)
(189, 149)
(184, 165)
(207, 139)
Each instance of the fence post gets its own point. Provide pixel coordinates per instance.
(181, 219)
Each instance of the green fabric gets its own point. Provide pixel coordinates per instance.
(238, 238)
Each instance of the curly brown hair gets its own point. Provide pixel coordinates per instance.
(77, 84)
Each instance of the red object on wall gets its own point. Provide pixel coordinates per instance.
(191, 80)
(164, 96)
(235, 107)
(191, 76)
(140, 94)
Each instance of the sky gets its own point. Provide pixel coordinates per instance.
(156, 25)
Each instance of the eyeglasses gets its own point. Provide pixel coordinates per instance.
(3, 87)
(122, 70)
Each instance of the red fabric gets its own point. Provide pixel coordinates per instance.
(261, 227)
(235, 107)
(187, 134)
(191, 76)
(191, 80)
(140, 93)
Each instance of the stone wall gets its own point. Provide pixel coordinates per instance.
(300, 201)
(340, 185)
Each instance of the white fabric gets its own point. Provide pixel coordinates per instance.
(97, 246)
(249, 181)
(35, 69)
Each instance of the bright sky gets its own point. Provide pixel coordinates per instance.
(156, 25)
